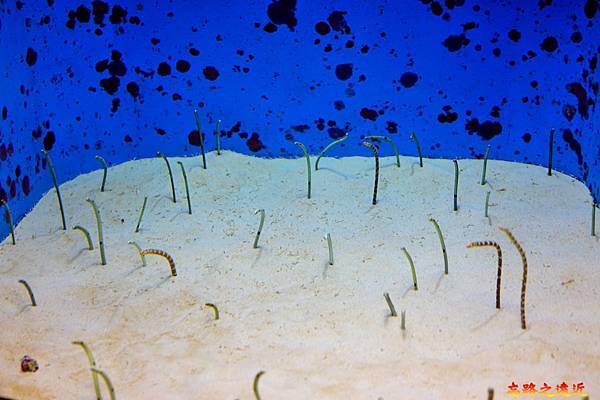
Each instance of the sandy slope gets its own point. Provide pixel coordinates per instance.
(319, 331)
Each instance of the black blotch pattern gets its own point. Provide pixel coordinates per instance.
(300, 128)
(26, 186)
(569, 112)
(283, 12)
(368, 113)
(486, 130)
(549, 44)
(49, 140)
(194, 138)
(408, 79)
(115, 105)
(82, 13)
(99, 10)
(270, 28)
(322, 28)
(254, 143)
(110, 85)
(182, 66)
(576, 37)
(335, 133)
(448, 116)
(164, 69)
(544, 3)
(470, 25)
(514, 35)
(133, 89)
(337, 21)
(590, 8)
(573, 144)
(391, 127)
(118, 15)
(210, 73)
(455, 42)
(116, 67)
(579, 91)
(31, 56)
(563, 89)
(344, 71)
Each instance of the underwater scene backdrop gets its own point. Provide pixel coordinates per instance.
(121, 79)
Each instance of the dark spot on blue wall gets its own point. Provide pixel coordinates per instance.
(590, 8)
(101, 65)
(110, 85)
(448, 116)
(30, 56)
(514, 35)
(367, 113)
(118, 15)
(338, 22)
(573, 144)
(343, 71)
(408, 79)
(182, 66)
(270, 28)
(391, 127)
(163, 69)
(335, 132)
(300, 128)
(254, 143)
(115, 105)
(436, 8)
(49, 140)
(544, 3)
(194, 138)
(116, 66)
(579, 91)
(486, 130)
(569, 112)
(82, 14)
(455, 42)
(25, 186)
(470, 25)
(283, 12)
(210, 73)
(549, 44)
(322, 28)
(133, 89)
(99, 10)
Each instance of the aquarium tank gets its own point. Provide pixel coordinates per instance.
(299, 199)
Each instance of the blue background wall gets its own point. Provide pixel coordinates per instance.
(121, 79)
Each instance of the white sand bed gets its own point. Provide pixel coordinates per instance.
(319, 331)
